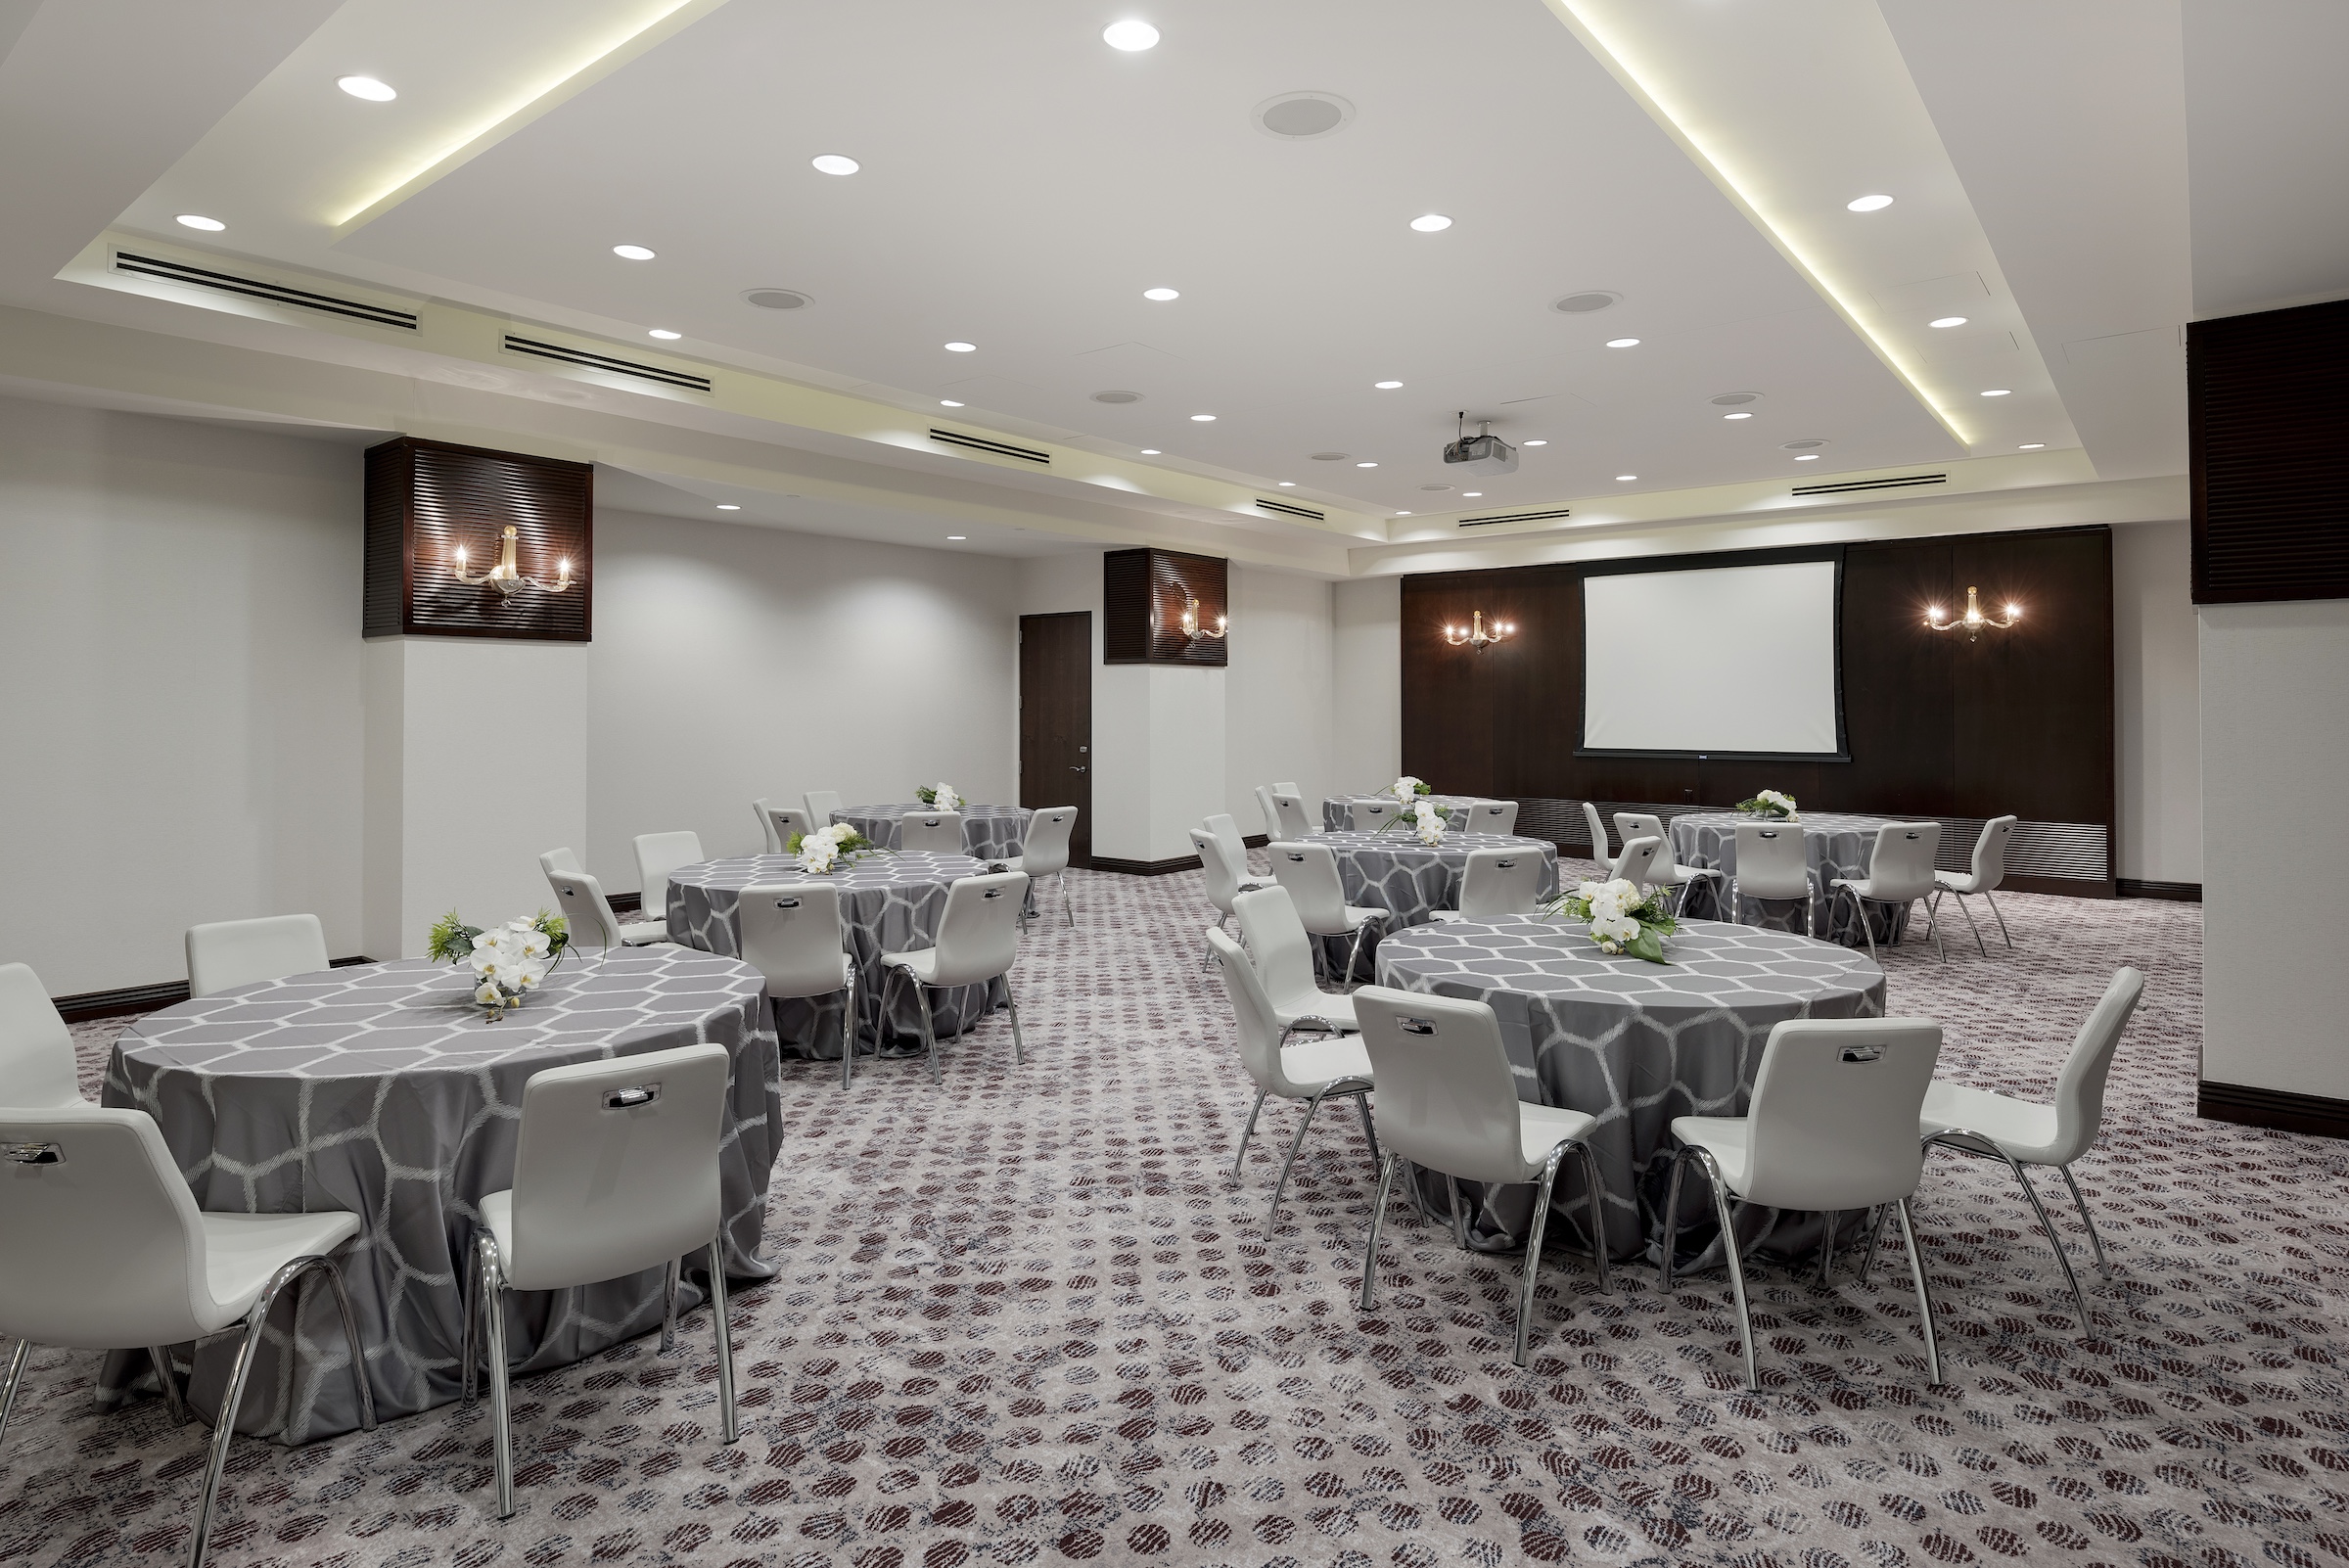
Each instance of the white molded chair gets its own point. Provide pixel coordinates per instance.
(1279, 788)
(588, 915)
(1310, 1071)
(227, 953)
(102, 1247)
(1667, 871)
(1044, 852)
(822, 804)
(1235, 848)
(1448, 1100)
(1308, 872)
(657, 856)
(791, 932)
(563, 860)
(1368, 816)
(1773, 863)
(1900, 871)
(2023, 1134)
(1222, 879)
(1989, 871)
(615, 1173)
(1828, 1128)
(978, 939)
(1497, 883)
(766, 825)
(37, 1068)
(1598, 832)
(1636, 863)
(1272, 812)
(1282, 953)
(1491, 816)
(931, 833)
(1289, 806)
(780, 823)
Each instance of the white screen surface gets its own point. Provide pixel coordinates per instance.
(1717, 661)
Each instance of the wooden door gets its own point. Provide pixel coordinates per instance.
(1056, 719)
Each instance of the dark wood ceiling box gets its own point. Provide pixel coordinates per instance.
(1144, 594)
(2268, 422)
(426, 499)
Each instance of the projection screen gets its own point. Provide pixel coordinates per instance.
(1718, 661)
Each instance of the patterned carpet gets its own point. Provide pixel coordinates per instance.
(1030, 1318)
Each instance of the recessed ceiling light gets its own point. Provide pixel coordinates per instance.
(2032, 446)
(1431, 222)
(633, 252)
(1402, 514)
(1288, 485)
(1203, 419)
(1947, 321)
(1152, 451)
(1162, 295)
(1869, 204)
(1386, 386)
(1625, 479)
(1737, 416)
(957, 538)
(1808, 457)
(367, 87)
(1533, 443)
(947, 403)
(664, 334)
(1623, 343)
(959, 348)
(1470, 495)
(728, 506)
(1366, 465)
(196, 220)
(2000, 392)
(835, 163)
(1131, 36)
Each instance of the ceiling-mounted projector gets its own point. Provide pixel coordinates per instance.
(1483, 452)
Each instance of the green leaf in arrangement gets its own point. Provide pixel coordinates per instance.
(1648, 945)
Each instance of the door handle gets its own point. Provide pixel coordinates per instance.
(1076, 769)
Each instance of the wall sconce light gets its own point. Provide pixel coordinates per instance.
(1477, 635)
(1190, 621)
(1974, 620)
(506, 578)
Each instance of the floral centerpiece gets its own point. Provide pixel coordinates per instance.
(940, 796)
(507, 960)
(1426, 818)
(1623, 917)
(819, 852)
(1408, 788)
(1773, 804)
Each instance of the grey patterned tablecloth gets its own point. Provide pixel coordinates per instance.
(1337, 811)
(380, 1090)
(1635, 1044)
(889, 903)
(1838, 845)
(1396, 873)
(989, 832)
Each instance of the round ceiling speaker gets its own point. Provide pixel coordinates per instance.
(1735, 399)
(1117, 397)
(1434, 486)
(1806, 445)
(1302, 117)
(1582, 305)
(777, 298)
(1330, 458)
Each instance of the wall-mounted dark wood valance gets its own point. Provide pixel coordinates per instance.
(2267, 426)
(2020, 721)
(426, 498)
(1143, 595)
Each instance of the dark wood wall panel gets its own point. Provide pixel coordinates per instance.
(2268, 420)
(425, 498)
(1143, 594)
(2019, 721)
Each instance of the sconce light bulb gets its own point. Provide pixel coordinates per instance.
(460, 553)
(2015, 609)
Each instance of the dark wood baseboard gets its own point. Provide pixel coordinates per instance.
(625, 903)
(87, 1004)
(1146, 868)
(2060, 887)
(2282, 1109)
(2181, 892)
(1256, 841)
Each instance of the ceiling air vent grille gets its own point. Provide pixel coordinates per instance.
(1904, 482)
(979, 444)
(1514, 517)
(605, 363)
(1287, 510)
(154, 266)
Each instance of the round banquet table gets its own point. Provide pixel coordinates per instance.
(989, 832)
(887, 903)
(1837, 844)
(1633, 1044)
(1394, 871)
(1337, 811)
(380, 1091)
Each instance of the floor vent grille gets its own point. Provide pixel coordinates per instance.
(1515, 516)
(979, 444)
(1286, 508)
(195, 277)
(605, 363)
(1906, 482)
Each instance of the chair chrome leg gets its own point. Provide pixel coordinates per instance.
(1933, 931)
(1672, 1213)
(921, 995)
(167, 1381)
(1240, 1156)
(1278, 1188)
(1826, 1246)
(1924, 1298)
(493, 1331)
(1460, 1211)
(351, 1337)
(1972, 925)
(1875, 1230)
(1067, 905)
(224, 1426)
(1994, 909)
(849, 1029)
(1989, 1148)
(1533, 1253)
(2080, 1203)
(722, 1327)
(1732, 1254)
(669, 1303)
(1362, 1107)
(470, 1353)
(1019, 1049)
(1354, 954)
(1599, 1217)
(15, 1381)
(1378, 1213)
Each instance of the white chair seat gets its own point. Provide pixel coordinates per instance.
(922, 965)
(848, 974)
(1958, 881)
(1729, 1138)
(1864, 887)
(1311, 1063)
(643, 932)
(1446, 914)
(242, 1251)
(1542, 1127)
(1355, 916)
(1335, 1006)
(1251, 884)
(2023, 1129)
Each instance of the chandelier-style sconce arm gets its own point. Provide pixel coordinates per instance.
(505, 576)
(1477, 635)
(1190, 621)
(1973, 622)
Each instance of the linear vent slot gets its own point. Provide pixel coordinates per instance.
(1514, 517)
(1286, 510)
(979, 444)
(604, 362)
(1906, 482)
(261, 289)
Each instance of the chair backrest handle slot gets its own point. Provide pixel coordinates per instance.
(33, 1153)
(630, 1098)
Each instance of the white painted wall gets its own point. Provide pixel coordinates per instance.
(2157, 695)
(1367, 747)
(2275, 750)
(1281, 693)
(179, 627)
(732, 663)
